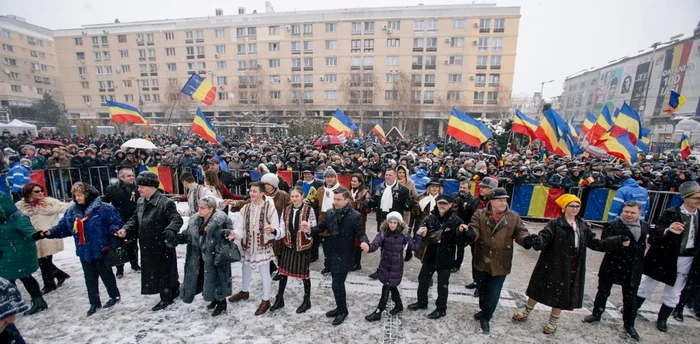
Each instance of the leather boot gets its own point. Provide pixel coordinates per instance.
(241, 295)
(375, 316)
(664, 313)
(212, 305)
(678, 312)
(279, 303)
(305, 305)
(640, 302)
(38, 305)
(263, 307)
(398, 304)
(219, 308)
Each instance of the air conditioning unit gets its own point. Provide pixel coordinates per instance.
(447, 61)
(105, 32)
(389, 31)
(476, 25)
(322, 78)
(82, 76)
(89, 104)
(474, 42)
(289, 79)
(222, 87)
(118, 71)
(448, 40)
(471, 77)
(288, 28)
(217, 55)
(81, 61)
(384, 27)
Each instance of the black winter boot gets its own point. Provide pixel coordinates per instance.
(306, 304)
(375, 316)
(398, 304)
(219, 308)
(640, 302)
(678, 312)
(664, 313)
(279, 303)
(38, 305)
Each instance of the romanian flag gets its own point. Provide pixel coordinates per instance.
(536, 201)
(587, 124)
(627, 121)
(204, 128)
(685, 147)
(340, 123)
(586, 181)
(433, 149)
(200, 89)
(619, 147)
(644, 142)
(554, 132)
(125, 113)
(601, 126)
(441, 169)
(524, 125)
(466, 129)
(379, 131)
(165, 177)
(575, 133)
(675, 101)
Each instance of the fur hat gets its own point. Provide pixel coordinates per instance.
(270, 178)
(480, 167)
(147, 179)
(394, 215)
(329, 172)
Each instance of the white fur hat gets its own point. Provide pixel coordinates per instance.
(271, 179)
(394, 215)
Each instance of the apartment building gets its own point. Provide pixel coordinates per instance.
(29, 65)
(405, 65)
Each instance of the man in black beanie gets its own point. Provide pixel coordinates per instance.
(156, 221)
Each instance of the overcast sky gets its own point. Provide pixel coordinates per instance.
(557, 37)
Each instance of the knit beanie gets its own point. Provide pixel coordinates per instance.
(11, 302)
(330, 172)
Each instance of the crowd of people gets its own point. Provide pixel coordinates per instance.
(280, 228)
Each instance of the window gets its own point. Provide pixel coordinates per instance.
(32, 53)
(221, 80)
(459, 23)
(14, 75)
(78, 40)
(98, 70)
(356, 45)
(172, 67)
(172, 81)
(428, 97)
(368, 61)
(169, 51)
(431, 43)
(143, 68)
(125, 68)
(146, 97)
(430, 79)
(308, 78)
(418, 25)
(240, 49)
(480, 80)
(416, 79)
(275, 94)
(273, 30)
(308, 46)
(296, 29)
(495, 62)
(199, 35)
(220, 65)
(108, 70)
(369, 45)
(16, 88)
(98, 56)
(218, 33)
(142, 54)
(331, 78)
(331, 44)
(200, 52)
(5, 34)
(273, 46)
(393, 25)
(590, 99)
(308, 62)
(485, 25)
(492, 97)
(151, 54)
(392, 60)
(124, 54)
(389, 94)
(189, 51)
(149, 38)
(432, 25)
(95, 41)
(105, 55)
(331, 94)
(127, 83)
(457, 42)
(392, 42)
(104, 40)
(220, 49)
(296, 63)
(331, 27)
(456, 59)
(274, 79)
(84, 84)
(9, 48)
(128, 98)
(223, 96)
(252, 31)
(308, 29)
(417, 62)
(274, 63)
(331, 61)
(87, 99)
(497, 43)
(153, 68)
(42, 55)
(478, 97)
(296, 47)
(188, 36)
(82, 70)
(430, 61)
(481, 61)
(418, 43)
(483, 44)
(499, 24)
(296, 78)
(356, 61)
(202, 65)
(169, 36)
(240, 31)
(356, 28)
(369, 27)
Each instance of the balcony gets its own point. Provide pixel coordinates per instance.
(430, 66)
(145, 88)
(429, 84)
(150, 43)
(144, 74)
(416, 83)
(429, 101)
(155, 88)
(431, 49)
(499, 29)
(484, 30)
(480, 66)
(296, 69)
(479, 84)
(308, 101)
(242, 85)
(368, 84)
(140, 43)
(110, 90)
(368, 67)
(478, 101)
(296, 101)
(189, 40)
(417, 66)
(142, 59)
(296, 52)
(102, 90)
(190, 57)
(200, 56)
(308, 85)
(154, 73)
(202, 72)
(494, 84)
(296, 84)
(492, 101)
(354, 83)
(495, 66)
(417, 50)
(308, 69)
(200, 40)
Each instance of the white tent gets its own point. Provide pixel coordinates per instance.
(18, 127)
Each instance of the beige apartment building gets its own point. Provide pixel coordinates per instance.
(403, 66)
(29, 66)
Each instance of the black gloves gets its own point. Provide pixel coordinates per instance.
(38, 235)
(532, 241)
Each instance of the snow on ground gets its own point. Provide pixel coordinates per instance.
(131, 321)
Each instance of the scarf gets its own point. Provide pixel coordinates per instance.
(635, 227)
(336, 221)
(79, 227)
(327, 202)
(387, 198)
(35, 203)
(427, 199)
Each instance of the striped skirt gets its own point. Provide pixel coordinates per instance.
(293, 263)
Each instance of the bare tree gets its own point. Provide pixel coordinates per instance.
(176, 103)
(253, 99)
(504, 106)
(360, 91)
(405, 101)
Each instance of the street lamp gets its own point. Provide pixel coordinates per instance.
(138, 86)
(542, 93)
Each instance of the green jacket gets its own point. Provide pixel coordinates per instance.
(16, 243)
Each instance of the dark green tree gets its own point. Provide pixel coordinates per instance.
(49, 111)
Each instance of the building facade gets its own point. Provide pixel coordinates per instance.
(404, 66)
(644, 82)
(29, 66)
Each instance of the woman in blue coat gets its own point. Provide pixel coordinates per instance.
(391, 239)
(92, 224)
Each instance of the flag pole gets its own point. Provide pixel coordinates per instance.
(170, 116)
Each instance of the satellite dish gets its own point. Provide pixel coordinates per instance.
(7, 71)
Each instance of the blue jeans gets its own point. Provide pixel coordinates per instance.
(489, 288)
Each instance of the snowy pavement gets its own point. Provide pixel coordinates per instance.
(131, 321)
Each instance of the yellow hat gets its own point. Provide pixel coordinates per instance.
(565, 199)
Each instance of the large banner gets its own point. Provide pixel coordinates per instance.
(641, 77)
(674, 63)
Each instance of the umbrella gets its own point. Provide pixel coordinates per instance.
(327, 140)
(139, 144)
(47, 143)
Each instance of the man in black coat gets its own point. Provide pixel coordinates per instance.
(341, 224)
(123, 197)
(155, 221)
(623, 266)
(396, 197)
(673, 257)
(465, 205)
(445, 232)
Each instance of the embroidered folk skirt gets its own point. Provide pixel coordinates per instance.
(294, 263)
